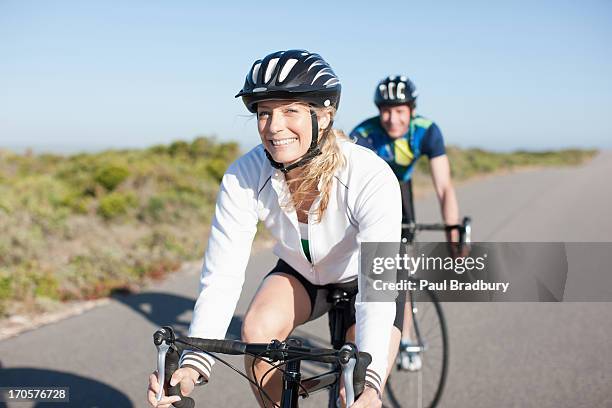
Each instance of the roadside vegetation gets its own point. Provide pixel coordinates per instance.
(78, 227)
(81, 226)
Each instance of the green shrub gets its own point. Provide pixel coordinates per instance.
(6, 290)
(227, 151)
(201, 147)
(76, 202)
(116, 204)
(154, 209)
(178, 147)
(111, 176)
(39, 193)
(7, 199)
(78, 172)
(216, 168)
(46, 285)
(158, 149)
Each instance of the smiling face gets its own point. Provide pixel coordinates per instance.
(285, 129)
(395, 120)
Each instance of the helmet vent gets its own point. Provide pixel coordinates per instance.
(331, 81)
(314, 64)
(287, 69)
(270, 69)
(382, 88)
(324, 71)
(255, 72)
(401, 88)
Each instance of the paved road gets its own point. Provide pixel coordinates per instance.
(521, 354)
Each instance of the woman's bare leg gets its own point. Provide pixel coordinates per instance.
(279, 306)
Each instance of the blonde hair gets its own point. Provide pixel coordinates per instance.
(320, 171)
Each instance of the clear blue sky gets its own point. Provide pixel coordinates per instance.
(498, 75)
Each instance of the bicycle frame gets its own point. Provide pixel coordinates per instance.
(330, 379)
(294, 386)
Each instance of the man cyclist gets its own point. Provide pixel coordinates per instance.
(401, 137)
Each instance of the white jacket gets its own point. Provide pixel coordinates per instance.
(364, 206)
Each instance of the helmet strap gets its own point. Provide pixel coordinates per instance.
(312, 152)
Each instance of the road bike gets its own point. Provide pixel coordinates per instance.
(427, 327)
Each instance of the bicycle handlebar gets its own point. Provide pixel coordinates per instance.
(465, 229)
(170, 349)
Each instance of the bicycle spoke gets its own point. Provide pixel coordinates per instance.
(425, 312)
(429, 361)
(429, 332)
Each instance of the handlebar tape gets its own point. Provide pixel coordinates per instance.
(363, 361)
(218, 346)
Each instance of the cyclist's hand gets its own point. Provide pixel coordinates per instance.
(165, 402)
(364, 400)
(342, 394)
(368, 399)
(187, 378)
(452, 235)
(465, 250)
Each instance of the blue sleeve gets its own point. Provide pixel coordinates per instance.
(432, 144)
(360, 140)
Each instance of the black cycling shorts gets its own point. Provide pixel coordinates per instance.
(319, 304)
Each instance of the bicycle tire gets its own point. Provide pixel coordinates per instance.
(424, 388)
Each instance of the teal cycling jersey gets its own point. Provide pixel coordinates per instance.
(423, 138)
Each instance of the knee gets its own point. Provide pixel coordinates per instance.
(264, 327)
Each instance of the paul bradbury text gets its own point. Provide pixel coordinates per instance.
(446, 285)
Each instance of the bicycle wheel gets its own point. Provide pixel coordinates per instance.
(423, 387)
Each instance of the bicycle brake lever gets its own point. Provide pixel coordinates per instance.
(162, 349)
(160, 338)
(347, 375)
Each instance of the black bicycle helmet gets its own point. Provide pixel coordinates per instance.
(292, 74)
(395, 90)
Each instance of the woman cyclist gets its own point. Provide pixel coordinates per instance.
(320, 195)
